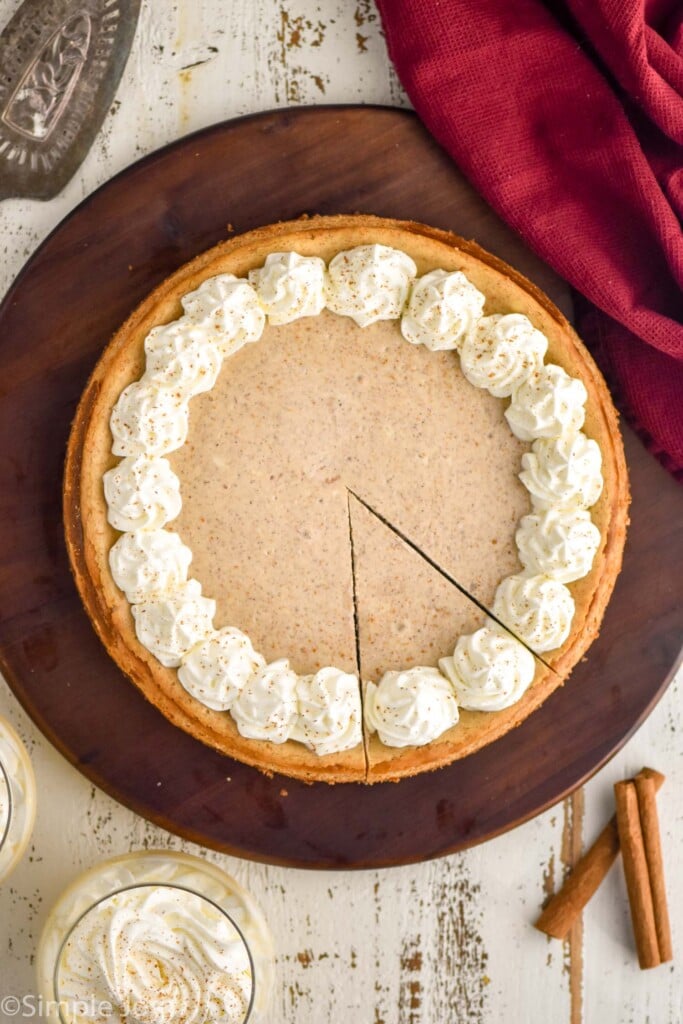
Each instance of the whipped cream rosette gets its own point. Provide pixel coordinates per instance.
(149, 562)
(227, 310)
(290, 286)
(152, 938)
(501, 352)
(181, 358)
(266, 707)
(410, 708)
(329, 711)
(159, 953)
(549, 403)
(149, 420)
(442, 310)
(537, 609)
(142, 493)
(489, 670)
(563, 472)
(216, 670)
(170, 623)
(369, 283)
(558, 542)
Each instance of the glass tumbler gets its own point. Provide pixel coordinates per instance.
(17, 799)
(155, 938)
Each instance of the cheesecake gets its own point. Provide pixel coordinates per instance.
(346, 498)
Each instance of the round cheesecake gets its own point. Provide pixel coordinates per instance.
(346, 498)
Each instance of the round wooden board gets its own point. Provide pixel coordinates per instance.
(61, 311)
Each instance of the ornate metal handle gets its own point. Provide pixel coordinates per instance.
(61, 61)
(41, 94)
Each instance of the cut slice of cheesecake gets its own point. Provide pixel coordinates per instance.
(408, 612)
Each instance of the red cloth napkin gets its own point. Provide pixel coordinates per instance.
(570, 124)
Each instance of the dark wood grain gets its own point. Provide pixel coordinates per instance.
(54, 322)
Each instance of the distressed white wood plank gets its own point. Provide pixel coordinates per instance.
(614, 986)
(406, 944)
(450, 940)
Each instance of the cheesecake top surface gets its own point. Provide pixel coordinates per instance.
(296, 426)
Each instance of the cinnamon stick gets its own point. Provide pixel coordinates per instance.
(636, 873)
(567, 904)
(649, 823)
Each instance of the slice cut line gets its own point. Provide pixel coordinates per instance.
(440, 571)
(408, 612)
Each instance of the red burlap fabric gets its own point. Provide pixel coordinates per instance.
(570, 123)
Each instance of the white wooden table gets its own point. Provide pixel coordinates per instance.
(450, 940)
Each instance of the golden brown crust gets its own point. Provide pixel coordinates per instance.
(89, 536)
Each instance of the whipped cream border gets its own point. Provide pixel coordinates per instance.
(442, 310)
